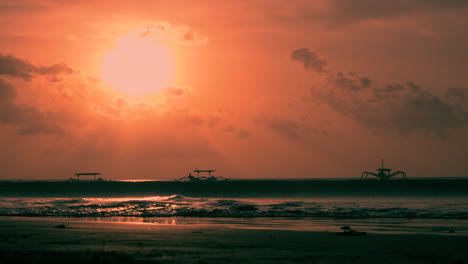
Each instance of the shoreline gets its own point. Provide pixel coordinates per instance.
(28, 240)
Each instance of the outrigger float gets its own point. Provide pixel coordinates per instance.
(210, 177)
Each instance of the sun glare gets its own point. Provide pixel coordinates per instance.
(137, 67)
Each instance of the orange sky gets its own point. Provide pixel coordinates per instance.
(253, 89)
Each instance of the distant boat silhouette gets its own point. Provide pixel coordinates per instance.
(210, 177)
(383, 173)
(94, 174)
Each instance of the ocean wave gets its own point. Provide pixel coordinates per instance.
(178, 205)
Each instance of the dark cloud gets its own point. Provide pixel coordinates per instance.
(9, 65)
(242, 133)
(427, 113)
(221, 122)
(7, 91)
(29, 119)
(365, 82)
(444, 4)
(343, 11)
(456, 95)
(346, 11)
(54, 69)
(228, 128)
(214, 121)
(40, 128)
(405, 109)
(19, 68)
(184, 118)
(288, 128)
(309, 59)
(392, 88)
(19, 6)
(351, 83)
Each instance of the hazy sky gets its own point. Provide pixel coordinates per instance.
(253, 89)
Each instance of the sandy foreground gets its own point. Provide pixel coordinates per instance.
(38, 240)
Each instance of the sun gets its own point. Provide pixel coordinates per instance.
(137, 67)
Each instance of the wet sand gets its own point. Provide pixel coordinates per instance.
(40, 240)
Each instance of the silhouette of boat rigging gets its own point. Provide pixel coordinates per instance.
(94, 174)
(210, 177)
(383, 173)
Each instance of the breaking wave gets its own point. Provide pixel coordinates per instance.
(178, 205)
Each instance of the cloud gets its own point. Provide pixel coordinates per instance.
(18, 68)
(54, 69)
(214, 121)
(376, 18)
(228, 128)
(120, 102)
(309, 59)
(9, 65)
(351, 83)
(29, 119)
(288, 128)
(176, 91)
(242, 133)
(405, 109)
(40, 128)
(340, 12)
(181, 34)
(457, 95)
(7, 91)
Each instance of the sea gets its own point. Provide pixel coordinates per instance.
(416, 206)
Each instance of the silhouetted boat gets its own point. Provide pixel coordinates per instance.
(94, 174)
(210, 177)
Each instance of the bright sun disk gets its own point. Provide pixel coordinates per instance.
(137, 67)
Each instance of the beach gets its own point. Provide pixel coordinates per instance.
(52, 240)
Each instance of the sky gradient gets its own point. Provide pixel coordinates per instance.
(252, 89)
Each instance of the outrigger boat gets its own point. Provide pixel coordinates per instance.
(94, 174)
(210, 177)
